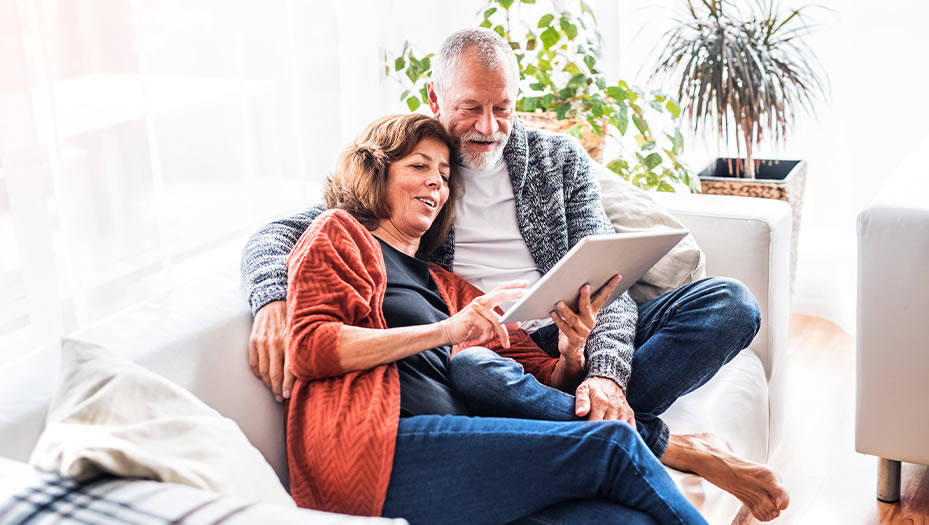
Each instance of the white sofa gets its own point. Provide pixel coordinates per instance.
(196, 334)
(892, 421)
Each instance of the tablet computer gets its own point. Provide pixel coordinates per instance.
(594, 260)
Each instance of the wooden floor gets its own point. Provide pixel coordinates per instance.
(830, 483)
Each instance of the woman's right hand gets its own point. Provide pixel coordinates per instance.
(478, 322)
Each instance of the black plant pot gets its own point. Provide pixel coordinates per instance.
(782, 180)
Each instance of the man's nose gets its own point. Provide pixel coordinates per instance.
(486, 123)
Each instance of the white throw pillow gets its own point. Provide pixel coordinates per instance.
(630, 208)
(113, 416)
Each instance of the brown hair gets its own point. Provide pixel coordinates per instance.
(359, 184)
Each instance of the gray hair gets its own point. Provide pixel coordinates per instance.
(493, 52)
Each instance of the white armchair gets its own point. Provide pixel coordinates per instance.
(892, 419)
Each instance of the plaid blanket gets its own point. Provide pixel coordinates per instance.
(109, 500)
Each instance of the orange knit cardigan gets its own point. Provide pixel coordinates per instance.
(341, 427)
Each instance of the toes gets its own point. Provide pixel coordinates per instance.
(782, 501)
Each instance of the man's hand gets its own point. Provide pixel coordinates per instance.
(602, 399)
(267, 349)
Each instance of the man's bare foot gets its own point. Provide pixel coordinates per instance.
(757, 486)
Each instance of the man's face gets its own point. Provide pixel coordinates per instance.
(477, 109)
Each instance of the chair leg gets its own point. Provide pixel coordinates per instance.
(888, 480)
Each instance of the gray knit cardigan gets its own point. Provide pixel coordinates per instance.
(557, 204)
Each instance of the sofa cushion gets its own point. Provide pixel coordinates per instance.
(196, 335)
(111, 416)
(630, 208)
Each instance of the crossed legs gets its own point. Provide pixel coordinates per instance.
(683, 338)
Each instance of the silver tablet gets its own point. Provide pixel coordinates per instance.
(594, 260)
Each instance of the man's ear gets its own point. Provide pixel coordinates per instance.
(433, 99)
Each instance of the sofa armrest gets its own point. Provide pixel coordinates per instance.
(748, 239)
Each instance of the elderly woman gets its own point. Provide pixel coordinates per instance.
(378, 424)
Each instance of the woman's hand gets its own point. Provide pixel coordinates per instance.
(478, 322)
(574, 327)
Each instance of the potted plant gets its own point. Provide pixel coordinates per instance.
(561, 89)
(744, 73)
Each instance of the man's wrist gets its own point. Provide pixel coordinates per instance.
(263, 294)
(609, 367)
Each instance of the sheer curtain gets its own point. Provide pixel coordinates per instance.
(136, 136)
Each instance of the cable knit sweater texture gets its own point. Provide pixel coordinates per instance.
(557, 204)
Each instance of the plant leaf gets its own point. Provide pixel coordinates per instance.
(546, 20)
(579, 79)
(549, 37)
(618, 166)
(623, 119)
(572, 68)
(569, 28)
(639, 124)
(617, 92)
(413, 103)
(589, 61)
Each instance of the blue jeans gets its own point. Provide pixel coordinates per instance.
(473, 470)
(683, 338)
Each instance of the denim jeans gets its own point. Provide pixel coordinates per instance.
(683, 338)
(473, 470)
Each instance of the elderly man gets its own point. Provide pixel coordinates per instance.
(529, 197)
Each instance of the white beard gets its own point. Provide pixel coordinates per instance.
(481, 161)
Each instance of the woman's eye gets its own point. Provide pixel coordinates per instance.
(444, 177)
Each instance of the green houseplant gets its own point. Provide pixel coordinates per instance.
(557, 49)
(745, 70)
(741, 71)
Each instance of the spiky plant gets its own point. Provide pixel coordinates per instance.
(744, 70)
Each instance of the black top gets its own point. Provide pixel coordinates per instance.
(412, 298)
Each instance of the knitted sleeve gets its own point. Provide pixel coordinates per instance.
(610, 345)
(264, 259)
(335, 279)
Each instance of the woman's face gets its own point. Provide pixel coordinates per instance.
(417, 187)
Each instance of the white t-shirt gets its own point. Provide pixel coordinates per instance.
(489, 248)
